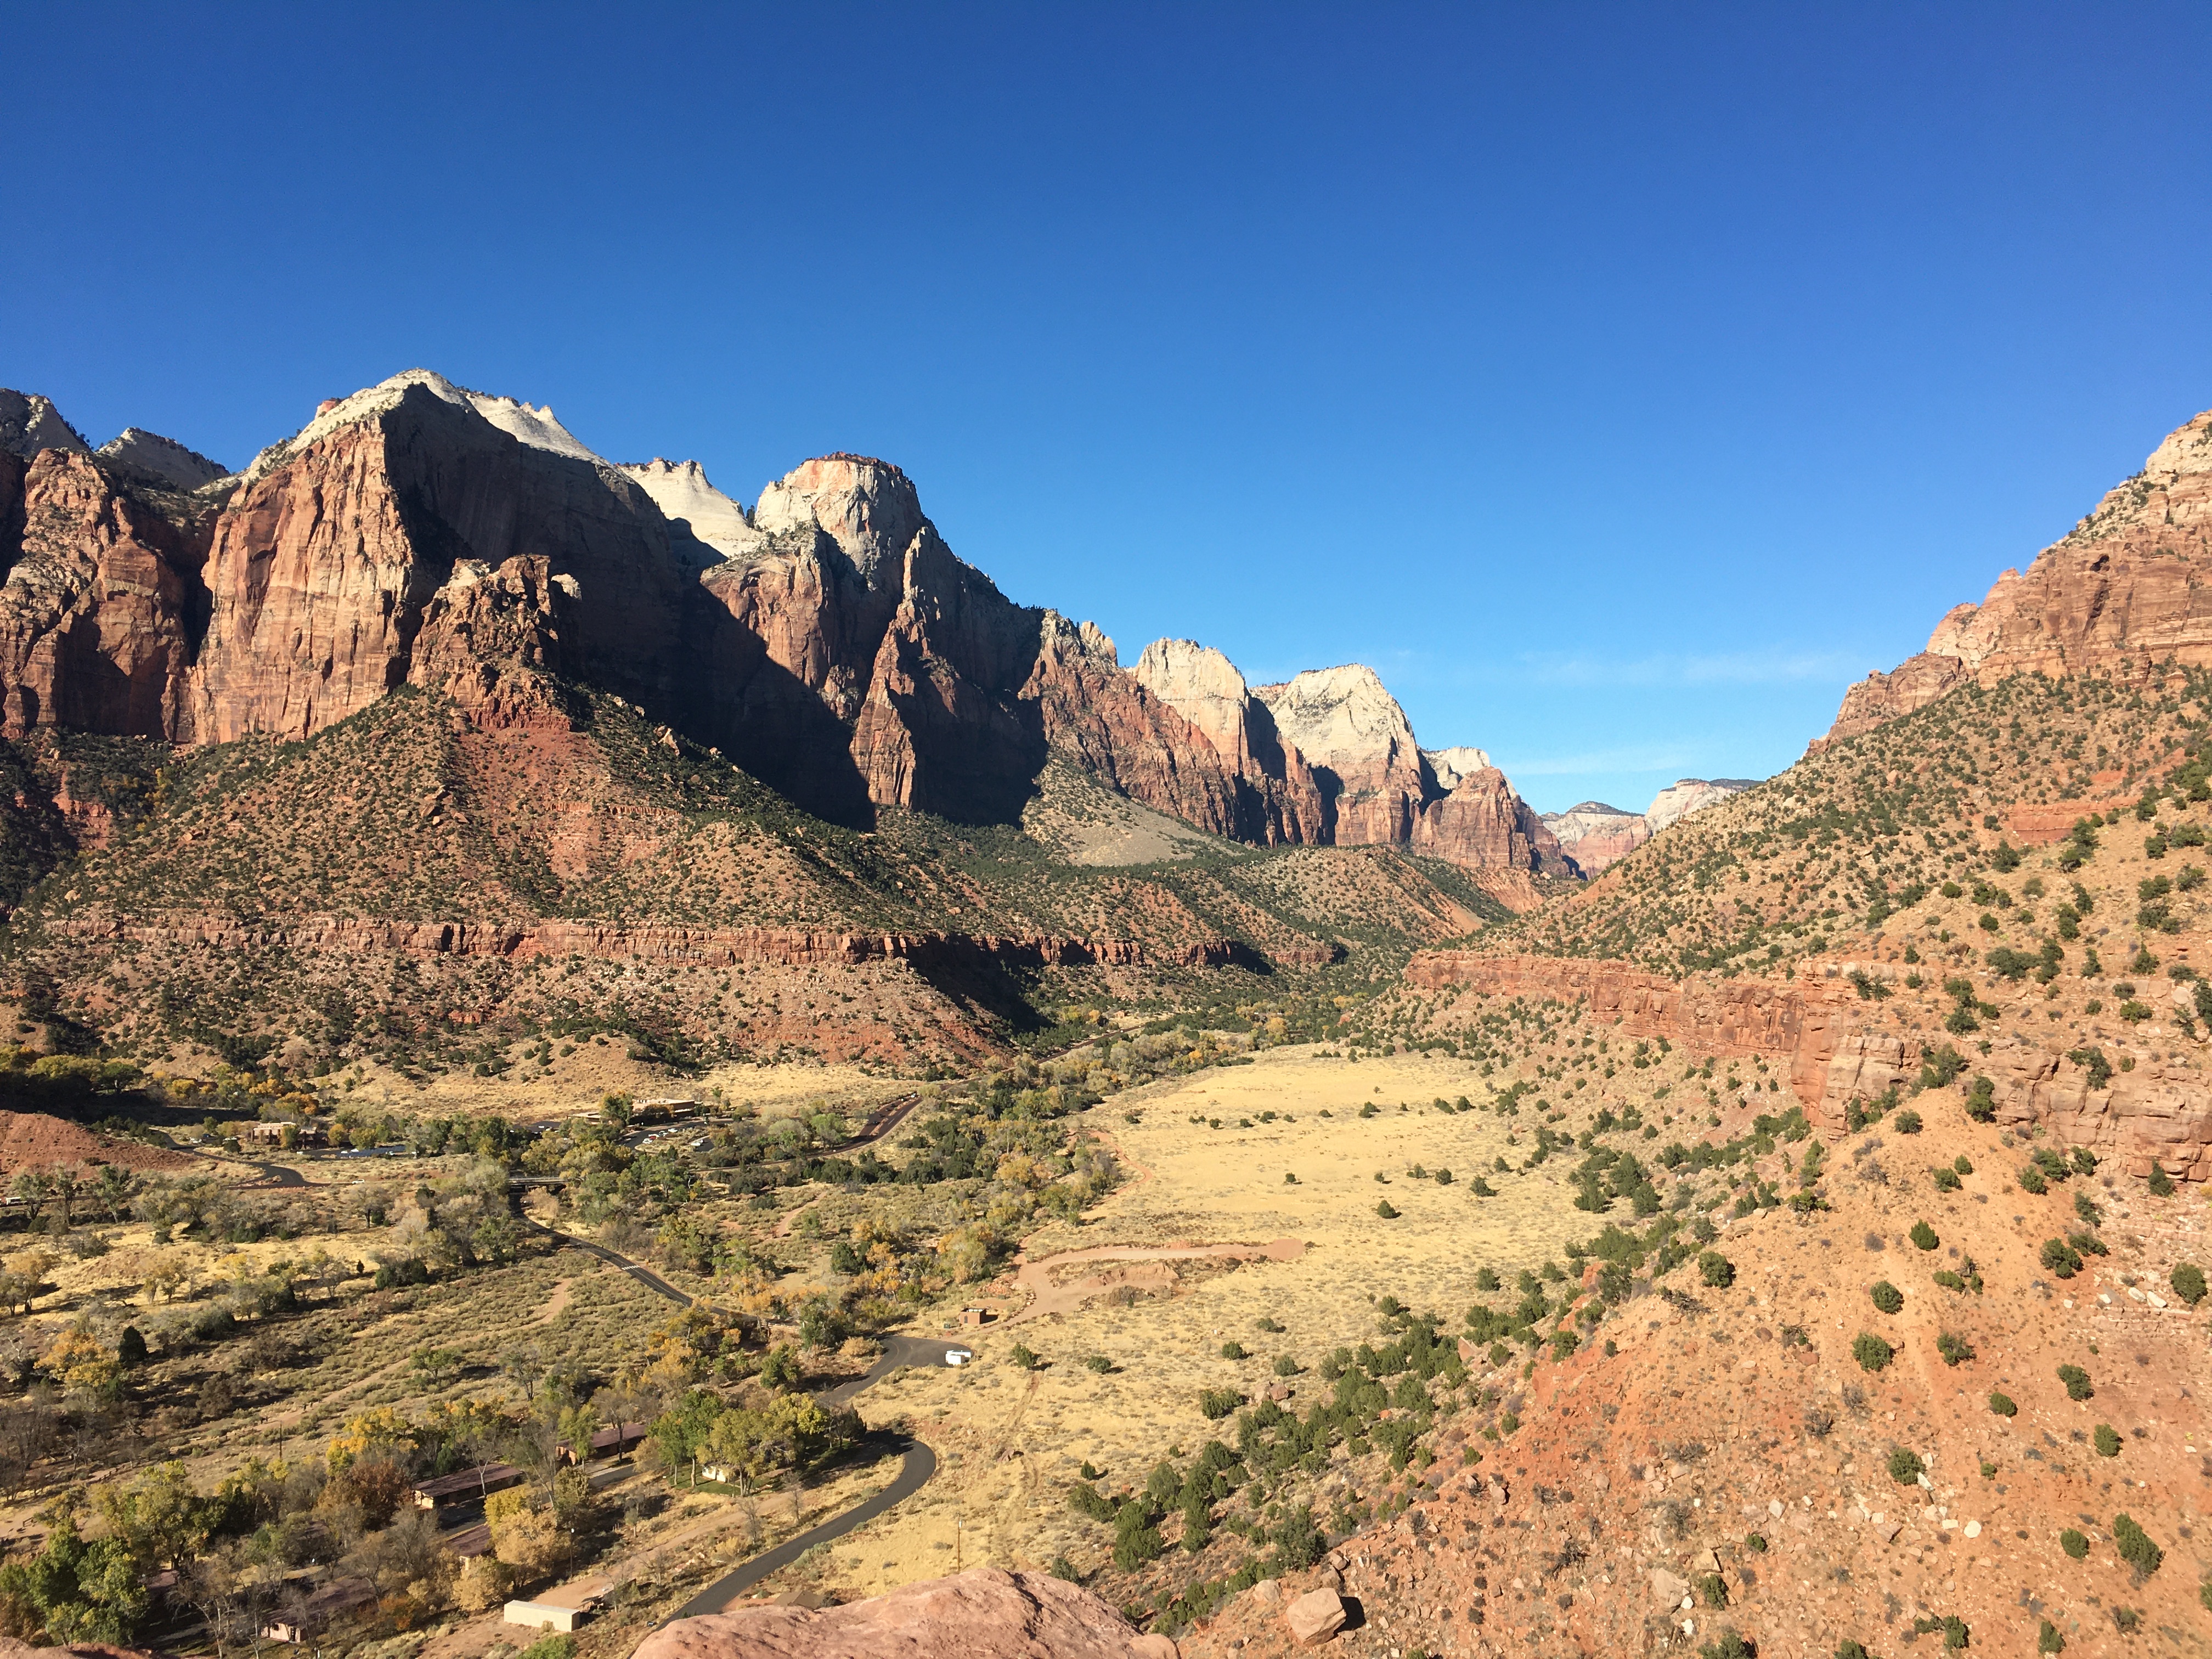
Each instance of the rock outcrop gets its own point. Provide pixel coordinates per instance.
(714, 523)
(29, 423)
(164, 457)
(2116, 593)
(1277, 799)
(983, 1613)
(101, 610)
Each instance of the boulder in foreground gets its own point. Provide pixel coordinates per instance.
(986, 1614)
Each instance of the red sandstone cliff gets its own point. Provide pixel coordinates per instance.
(2120, 590)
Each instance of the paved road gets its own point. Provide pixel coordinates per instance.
(919, 1464)
(913, 1474)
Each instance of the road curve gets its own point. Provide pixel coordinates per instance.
(914, 1471)
(921, 1463)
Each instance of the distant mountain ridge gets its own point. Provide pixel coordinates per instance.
(1598, 836)
(420, 533)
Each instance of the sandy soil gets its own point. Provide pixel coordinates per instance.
(1011, 1442)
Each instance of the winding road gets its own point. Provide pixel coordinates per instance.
(919, 1464)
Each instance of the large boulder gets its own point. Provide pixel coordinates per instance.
(986, 1614)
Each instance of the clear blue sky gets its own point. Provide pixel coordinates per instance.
(1619, 381)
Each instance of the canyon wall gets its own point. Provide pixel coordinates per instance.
(2121, 591)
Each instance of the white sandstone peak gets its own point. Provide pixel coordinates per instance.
(680, 490)
(1341, 718)
(29, 423)
(1459, 762)
(1201, 685)
(164, 457)
(867, 506)
(525, 423)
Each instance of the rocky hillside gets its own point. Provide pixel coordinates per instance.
(2116, 593)
(1598, 836)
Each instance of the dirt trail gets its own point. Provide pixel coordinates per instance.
(1047, 1297)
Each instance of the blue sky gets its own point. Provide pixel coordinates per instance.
(1619, 381)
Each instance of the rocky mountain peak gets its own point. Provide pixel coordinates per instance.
(164, 457)
(868, 507)
(681, 491)
(1341, 718)
(525, 423)
(29, 423)
(1459, 762)
(1201, 685)
(1688, 795)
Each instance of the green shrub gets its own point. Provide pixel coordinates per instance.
(1099, 1362)
(2077, 1381)
(1728, 1646)
(2188, 1282)
(1871, 1352)
(1716, 1269)
(2161, 1184)
(1946, 1178)
(2048, 1640)
(1218, 1403)
(2135, 1546)
(1963, 1164)
(1286, 1366)
(2073, 1543)
(1713, 1591)
(1924, 1236)
(2060, 1259)
(1905, 1468)
(2108, 1441)
(1020, 1354)
(1981, 1095)
(2032, 1180)
(1955, 1350)
(553, 1646)
(2001, 1404)
(1234, 1350)
(1886, 1296)
(1387, 1210)
(1906, 1122)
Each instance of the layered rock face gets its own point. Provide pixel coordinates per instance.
(164, 457)
(1360, 745)
(2117, 592)
(1277, 799)
(29, 423)
(331, 567)
(1831, 1055)
(1598, 836)
(717, 524)
(102, 608)
(1380, 787)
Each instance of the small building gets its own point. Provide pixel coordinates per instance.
(665, 1109)
(610, 1441)
(976, 1316)
(332, 1602)
(562, 1608)
(466, 1486)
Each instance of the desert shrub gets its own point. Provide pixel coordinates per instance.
(1716, 1270)
(1886, 1296)
(2003, 1405)
(1955, 1350)
(1963, 1164)
(1946, 1178)
(1982, 1100)
(2048, 1640)
(1905, 1468)
(2073, 1543)
(2077, 1381)
(1712, 1589)
(2188, 1282)
(1924, 1236)
(2108, 1441)
(2135, 1546)
(1234, 1350)
(1099, 1362)
(2059, 1258)
(1083, 1498)
(1218, 1403)
(1729, 1645)
(1021, 1356)
(1387, 1210)
(2032, 1180)
(1871, 1352)
(1906, 1122)
(1286, 1366)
